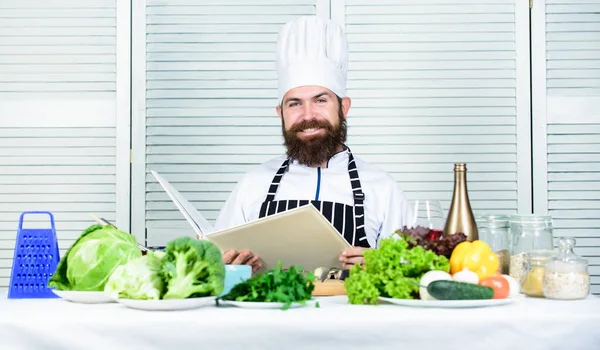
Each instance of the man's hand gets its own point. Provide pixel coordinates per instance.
(232, 257)
(352, 256)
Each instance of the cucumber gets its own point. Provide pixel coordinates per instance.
(453, 290)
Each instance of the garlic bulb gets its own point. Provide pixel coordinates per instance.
(466, 276)
(513, 285)
(428, 277)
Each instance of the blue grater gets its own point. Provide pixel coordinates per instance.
(34, 262)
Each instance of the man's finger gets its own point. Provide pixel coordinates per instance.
(349, 266)
(242, 258)
(256, 266)
(355, 251)
(252, 261)
(228, 256)
(352, 260)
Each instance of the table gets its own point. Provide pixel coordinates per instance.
(532, 324)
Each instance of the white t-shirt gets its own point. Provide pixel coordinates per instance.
(386, 207)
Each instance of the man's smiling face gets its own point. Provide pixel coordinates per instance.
(313, 123)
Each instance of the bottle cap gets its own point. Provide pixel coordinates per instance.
(460, 167)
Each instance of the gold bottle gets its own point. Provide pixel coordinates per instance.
(460, 216)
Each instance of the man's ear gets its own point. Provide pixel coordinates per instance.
(279, 112)
(346, 102)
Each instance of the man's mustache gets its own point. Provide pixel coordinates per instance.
(311, 124)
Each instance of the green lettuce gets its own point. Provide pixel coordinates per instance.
(137, 279)
(393, 270)
(89, 262)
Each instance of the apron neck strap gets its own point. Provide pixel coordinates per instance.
(358, 195)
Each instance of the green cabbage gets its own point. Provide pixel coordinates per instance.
(90, 261)
(138, 279)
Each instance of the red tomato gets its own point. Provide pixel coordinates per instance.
(499, 284)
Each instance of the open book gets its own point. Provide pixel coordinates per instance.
(300, 237)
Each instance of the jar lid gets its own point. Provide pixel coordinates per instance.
(566, 260)
(531, 219)
(492, 221)
(542, 253)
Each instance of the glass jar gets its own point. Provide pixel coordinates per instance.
(528, 233)
(566, 275)
(494, 230)
(533, 273)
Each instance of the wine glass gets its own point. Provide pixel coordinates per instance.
(427, 213)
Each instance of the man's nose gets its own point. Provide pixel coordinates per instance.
(309, 110)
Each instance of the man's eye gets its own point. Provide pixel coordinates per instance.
(293, 104)
(321, 100)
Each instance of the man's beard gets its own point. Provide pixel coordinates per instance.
(317, 149)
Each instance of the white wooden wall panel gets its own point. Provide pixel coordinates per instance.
(437, 82)
(566, 48)
(432, 82)
(59, 148)
(205, 105)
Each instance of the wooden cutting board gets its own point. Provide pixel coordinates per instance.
(329, 287)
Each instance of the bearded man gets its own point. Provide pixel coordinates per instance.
(363, 202)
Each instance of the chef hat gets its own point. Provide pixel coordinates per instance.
(312, 51)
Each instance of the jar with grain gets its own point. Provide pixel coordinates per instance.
(528, 233)
(533, 274)
(494, 230)
(566, 275)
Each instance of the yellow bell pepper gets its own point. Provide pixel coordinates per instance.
(476, 256)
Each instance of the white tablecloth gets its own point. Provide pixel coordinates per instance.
(531, 324)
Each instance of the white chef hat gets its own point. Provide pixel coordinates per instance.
(312, 51)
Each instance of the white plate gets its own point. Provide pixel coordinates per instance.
(83, 297)
(263, 305)
(452, 304)
(169, 304)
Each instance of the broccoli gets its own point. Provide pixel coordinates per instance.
(192, 268)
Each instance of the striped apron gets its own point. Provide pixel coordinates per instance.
(348, 220)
